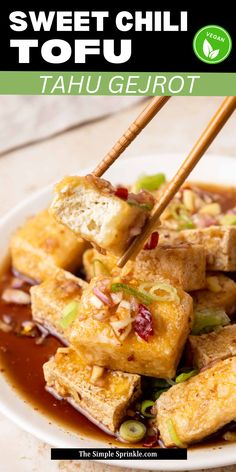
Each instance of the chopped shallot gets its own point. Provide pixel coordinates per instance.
(117, 297)
(5, 327)
(12, 295)
(106, 299)
(17, 283)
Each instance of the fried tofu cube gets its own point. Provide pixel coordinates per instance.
(219, 243)
(221, 293)
(183, 265)
(50, 298)
(103, 397)
(212, 347)
(90, 207)
(42, 245)
(200, 406)
(120, 329)
(95, 263)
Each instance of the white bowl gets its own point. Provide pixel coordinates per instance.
(211, 169)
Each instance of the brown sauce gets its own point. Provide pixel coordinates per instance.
(21, 359)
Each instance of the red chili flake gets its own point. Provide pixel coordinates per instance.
(122, 192)
(143, 325)
(153, 241)
(131, 358)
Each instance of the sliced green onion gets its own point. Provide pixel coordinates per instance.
(99, 268)
(144, 206)
(178, 212)
(185, 222)
(207, 319)
(150, 182)
(228, 219)
(145, 408)
(132, 431)
(144, 297)
(162, 383)
(173, 434)
(185, 376)
(171, 292)
(158, 393)
(69, 314)
(170, 382)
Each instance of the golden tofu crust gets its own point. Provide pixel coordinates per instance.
(88, 207)
(219, 243)
(51, 297)
(183, 265)
(199, 406)
(104, 400)
(223, 297)
(212, 347)
(95, 335)
(42, 245)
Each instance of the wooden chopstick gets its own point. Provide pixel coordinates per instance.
(153, 107)
(214, 126)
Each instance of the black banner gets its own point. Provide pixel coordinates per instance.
(118, 454)
(159, 37)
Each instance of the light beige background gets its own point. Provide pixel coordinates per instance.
(30, 167)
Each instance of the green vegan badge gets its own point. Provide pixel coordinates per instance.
(212, 44)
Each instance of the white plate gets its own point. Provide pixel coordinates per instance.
(210, 169)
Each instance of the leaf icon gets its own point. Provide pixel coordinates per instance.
(207, 48)
(213, 54)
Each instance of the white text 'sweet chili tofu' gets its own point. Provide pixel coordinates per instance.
(134, 327)
(55, 302)
(192, 410)
(101, 395)
(42, 245)
(93, 209)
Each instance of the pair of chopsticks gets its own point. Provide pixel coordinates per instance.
(213, 128)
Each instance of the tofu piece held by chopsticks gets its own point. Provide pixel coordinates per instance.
(93, 209)
(220, 293)
(102, 395)
(134, 327)
(52, 298)
(42, 245)
(212, 347)
(219, 243)
(183, 265)
(192, 410)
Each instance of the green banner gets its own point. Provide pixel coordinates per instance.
(117, 83)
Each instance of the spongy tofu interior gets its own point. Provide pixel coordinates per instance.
(41, 245)
(158, 357)
(199, 406)
(105, 401)
(99, 217)
(51, 297)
